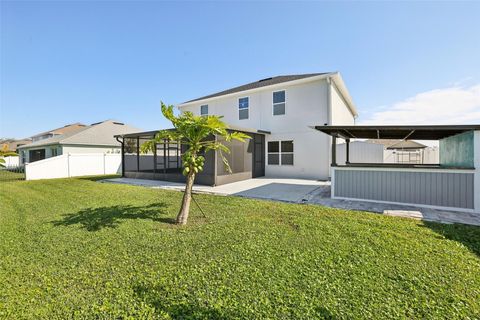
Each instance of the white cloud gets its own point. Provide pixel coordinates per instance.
(452, 105)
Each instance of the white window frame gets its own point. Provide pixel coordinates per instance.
(285, 102)
(206, 114)
(280, 152)
(238, 105)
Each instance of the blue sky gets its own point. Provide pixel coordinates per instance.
(65, 62)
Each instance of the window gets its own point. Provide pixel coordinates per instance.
(273, 152)
(204, 110)
(286, 151)
(280, 153)
(54, 152)
(243, 105)
(279, 103)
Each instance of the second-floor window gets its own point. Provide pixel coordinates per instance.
(204, 110)
(279, 103)
(243, 106)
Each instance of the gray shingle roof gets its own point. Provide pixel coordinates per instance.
(259, 84)
(101, 134)
(62, 130)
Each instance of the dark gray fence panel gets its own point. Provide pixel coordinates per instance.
(435, 188)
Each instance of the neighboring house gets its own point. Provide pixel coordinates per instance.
(407, 152)
(56, 132)
(286, 108)
(13, 144)
(96, 138)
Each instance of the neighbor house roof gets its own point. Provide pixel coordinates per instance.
(422, 132)
(62, 130)
(101, 134)
(335, 76)
(13, 144)
(398, 144)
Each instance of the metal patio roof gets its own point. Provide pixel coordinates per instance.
(421, 132)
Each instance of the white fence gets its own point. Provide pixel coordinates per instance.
(360, 152)
(74, 165)
(11, 161)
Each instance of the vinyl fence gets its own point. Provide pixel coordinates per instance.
(11, 161)
(74, 165)
(360, 152)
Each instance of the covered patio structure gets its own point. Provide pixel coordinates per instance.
(451, 184)
(165, 161)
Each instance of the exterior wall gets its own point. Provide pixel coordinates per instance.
(360, 152)
(341, 114)
(438, 188)
(457, 151)
(306, 105)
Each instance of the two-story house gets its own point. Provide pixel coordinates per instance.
(75, 139)
(286, 107)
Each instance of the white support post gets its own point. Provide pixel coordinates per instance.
(68, 165)
(476, 163)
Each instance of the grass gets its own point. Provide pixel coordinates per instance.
(76, 248)
(6, 175)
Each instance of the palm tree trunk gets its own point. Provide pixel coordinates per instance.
(187, 198)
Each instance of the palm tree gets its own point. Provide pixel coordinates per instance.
(195, 132)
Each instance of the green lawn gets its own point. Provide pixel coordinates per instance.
(6, 175)
(75, 248)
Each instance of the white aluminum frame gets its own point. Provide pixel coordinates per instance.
(285, 102)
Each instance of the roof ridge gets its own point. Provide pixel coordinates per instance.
(265, 82)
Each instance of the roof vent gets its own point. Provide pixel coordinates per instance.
(119, 123)
(265, 79)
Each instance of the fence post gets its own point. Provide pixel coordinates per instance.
(68, 165)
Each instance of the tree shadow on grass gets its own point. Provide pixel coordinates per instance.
(99, 178)
(158, 298)
(180, 308)
(467, 235)
(94, 219)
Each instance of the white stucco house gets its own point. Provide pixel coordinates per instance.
(286, 108)
(82, 139)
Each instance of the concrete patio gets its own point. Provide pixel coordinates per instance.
(308, 192)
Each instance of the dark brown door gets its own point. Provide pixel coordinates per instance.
(36, 155)
(258, 155)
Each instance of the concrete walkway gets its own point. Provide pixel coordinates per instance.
(288, 190)
(308, 192)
